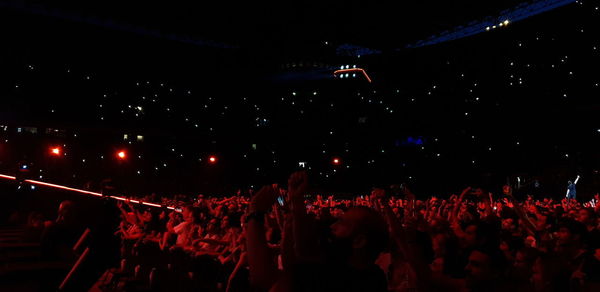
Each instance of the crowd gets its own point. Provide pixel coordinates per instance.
(283, 240)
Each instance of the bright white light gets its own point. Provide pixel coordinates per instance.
(506, 22)
(347, 75)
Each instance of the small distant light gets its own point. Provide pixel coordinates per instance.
(336, 161)
(487, 28)
(212, 159)
(33, 187)
(506, 22)
(121, 154)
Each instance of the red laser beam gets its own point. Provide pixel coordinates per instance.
(41, 183)
(7, 177)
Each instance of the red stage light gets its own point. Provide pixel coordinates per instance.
(55, 151)
(336, 161)
(212, 159)
(121, 154)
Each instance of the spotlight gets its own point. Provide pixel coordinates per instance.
(212, 159)
(122, 154)
(336, 161)
(56, 151)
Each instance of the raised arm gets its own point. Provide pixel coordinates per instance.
(305, 239)
(405, 239)
(457, 203)
(263, 272)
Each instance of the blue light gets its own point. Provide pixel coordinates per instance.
(519, 12)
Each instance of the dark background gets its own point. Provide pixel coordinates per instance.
(242, 56)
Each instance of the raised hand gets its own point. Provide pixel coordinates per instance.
(464, 192)
(297, 184)
(263, 199)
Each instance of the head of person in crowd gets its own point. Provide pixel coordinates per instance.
(358, 236)
(509, 224)
(523, 264)
(147, 215)
(549, 274)
(570, 234)
(66, 212)
(588, 217)
(191, 214)
(485, 269)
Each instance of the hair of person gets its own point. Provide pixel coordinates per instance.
(574, 227)
(374, 227)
